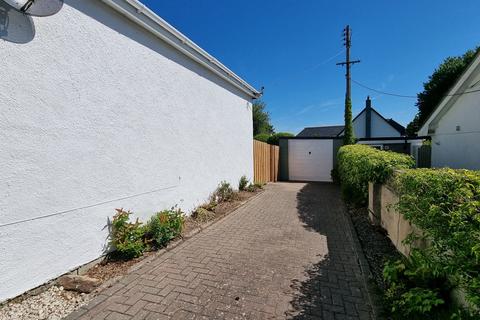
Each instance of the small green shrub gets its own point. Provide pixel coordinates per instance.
(165, 226)
(243, 183)
(224, 192)
(263, 137)
(360, 164)
(127, 238)
(259, 185)
(416, 288)
(253, 187)
(210, 206)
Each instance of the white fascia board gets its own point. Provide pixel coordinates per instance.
(447, 102)
(147, 19)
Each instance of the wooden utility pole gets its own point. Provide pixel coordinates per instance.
(347, 38)
(348, 131)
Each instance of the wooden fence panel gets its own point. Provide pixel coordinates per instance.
(265, 162)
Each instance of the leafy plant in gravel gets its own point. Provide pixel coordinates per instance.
(165, 226)
(243, 183)
(360, 164)
(445, 205)
(127, 238)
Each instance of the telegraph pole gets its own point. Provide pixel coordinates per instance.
(347, 41)
(348, 131)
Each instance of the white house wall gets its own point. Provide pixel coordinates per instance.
(98, 114)
(459, 149)
(359, 126)
(381, 128)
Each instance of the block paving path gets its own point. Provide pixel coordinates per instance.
(288, 253)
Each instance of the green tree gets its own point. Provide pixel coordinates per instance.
(348, 134)
(437, 86)
(261, 119)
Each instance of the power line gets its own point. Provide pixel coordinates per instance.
(408, 96)
(383, 92)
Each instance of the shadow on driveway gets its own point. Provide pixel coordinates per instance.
(334, 287)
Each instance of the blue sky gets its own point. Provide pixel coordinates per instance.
(291, 47)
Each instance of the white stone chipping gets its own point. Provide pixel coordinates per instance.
(53, 304)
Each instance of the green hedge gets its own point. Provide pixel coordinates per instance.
(274, 138)
(359, 164)
(445, 205)
(262, 137)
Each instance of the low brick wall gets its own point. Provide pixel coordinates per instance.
(381, 207)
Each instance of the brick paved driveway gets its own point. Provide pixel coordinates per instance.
(286, 254)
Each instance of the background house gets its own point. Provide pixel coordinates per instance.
(370, 128)
(454, 126)
(105, 105)
(312, 154)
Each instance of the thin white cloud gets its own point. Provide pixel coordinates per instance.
(324, 106)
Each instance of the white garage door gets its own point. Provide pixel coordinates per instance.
(310, 159)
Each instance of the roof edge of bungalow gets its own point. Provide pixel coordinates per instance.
(147, 19)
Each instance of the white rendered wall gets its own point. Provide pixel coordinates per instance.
(359, 126)
(381, 128)
(459, 149)
(97, 114)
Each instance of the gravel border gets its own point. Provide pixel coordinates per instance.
(52, 304)
(377, 248)
(364, 267)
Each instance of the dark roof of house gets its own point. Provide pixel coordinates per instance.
(328, 131)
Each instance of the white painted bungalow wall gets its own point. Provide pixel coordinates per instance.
(97, 114)
(459, 149)
(379, 127)
(359, 125)
(451, 146)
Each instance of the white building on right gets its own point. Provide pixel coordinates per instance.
(454, 125)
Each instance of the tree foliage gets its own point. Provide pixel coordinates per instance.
(274, 138)
(262, 137)
(261, 119)
(437, 86)
(348, 134)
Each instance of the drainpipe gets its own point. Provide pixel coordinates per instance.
(368, 118)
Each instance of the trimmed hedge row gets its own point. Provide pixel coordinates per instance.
(359, 164)
(445, 205)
